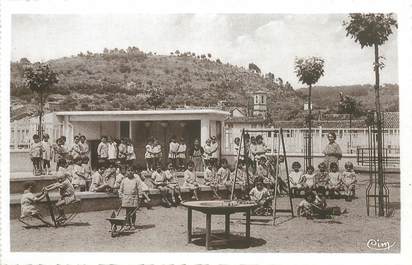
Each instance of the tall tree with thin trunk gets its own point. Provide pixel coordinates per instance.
(373, 30)
(308, 71)
(40, 78)
(349, 105)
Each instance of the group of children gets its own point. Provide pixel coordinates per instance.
(111, 151)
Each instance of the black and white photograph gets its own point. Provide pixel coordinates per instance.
(204, 132)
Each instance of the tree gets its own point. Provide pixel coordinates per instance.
(254, 67)
(372, 30)
(349, 105)
(156, 98)
(308, 71)
(40, 78)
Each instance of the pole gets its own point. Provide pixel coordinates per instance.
(287, 170)
(40, 130)
(237, 165)
(310, 127)
(379, 132)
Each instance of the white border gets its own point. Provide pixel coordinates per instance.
(214, 6)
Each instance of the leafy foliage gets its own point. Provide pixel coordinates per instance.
(156, 98)
(309, 70)
(370, 29)
(349, 105)
(40, 78)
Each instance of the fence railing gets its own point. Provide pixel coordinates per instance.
(368, 156)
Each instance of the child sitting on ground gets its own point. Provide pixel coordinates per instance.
(66, 190)
(159, 182)
(335, 180)
(129, 194)
(261, 196)
(211, 180)
(314, 206)
(305, 206)
(296, 179)
(191, 180)
(310, 177)
(172, 183)
(36, 152)
(79, 178)
(98, 184)
(349, 181)
(322, 179)
(27, 204)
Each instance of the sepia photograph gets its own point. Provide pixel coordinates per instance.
(204, 132)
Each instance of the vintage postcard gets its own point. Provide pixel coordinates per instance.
(235, 134)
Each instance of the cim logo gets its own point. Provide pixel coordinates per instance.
(376, 244)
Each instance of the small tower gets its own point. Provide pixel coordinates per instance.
(259, 103)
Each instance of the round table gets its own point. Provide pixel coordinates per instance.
(210, 208)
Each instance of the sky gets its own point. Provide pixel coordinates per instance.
(271, 41)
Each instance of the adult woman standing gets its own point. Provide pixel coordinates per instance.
(332, 151)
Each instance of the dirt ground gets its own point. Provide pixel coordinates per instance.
(163, 230)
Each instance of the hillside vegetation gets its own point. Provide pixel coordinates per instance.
(122, 79)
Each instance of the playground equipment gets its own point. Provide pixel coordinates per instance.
(377, 193)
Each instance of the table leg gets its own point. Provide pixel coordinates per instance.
(189, 225)
(208, 230)
(227, 225)
(248, 225)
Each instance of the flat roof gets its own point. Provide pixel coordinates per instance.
(136, 115)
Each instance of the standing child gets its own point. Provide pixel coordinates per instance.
(122, 152)
(172, 183)
(252, 152)
(160, 183)
(214, 151)
(148, 156)
(260, 148)
(111, 151)
(238, 150)
(36, 153)
(84, 147)
(47, 154)
(296, 179)
(102, 152)
(223, 174)
(310, 177)
(157, 153)
(130, 153)
(335, 180)
(87, 171)
(191, 180)
(212, 180)
(181, 154)
(349, 181)
(196, 155)
(75, 150)
(129, 193)
(28, 204)
(207, 155)
(173, 151)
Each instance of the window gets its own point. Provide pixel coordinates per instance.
(124, 129)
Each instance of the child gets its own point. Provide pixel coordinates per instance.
(207, 155)
(143, 188)
(223, 174)
(129, 193)
(349, 181)
(335, 180)
(98, 184)
(172, 183)
(109, 176)
(196, 155)
(87, 171)
(111, 151)
(84, 147)
(310, 177)
(322, 179)
(27, 203)
(148, 156)
(296, 179)
(181, 154)
(66, 192)
(261, 196)
(305, 206)
(252, 151)
(75, 150)
(214, 151)
(69, 167)
(159, 181)
(263, 172)
(60, 151)
(212, 180)
(241, 176)
(260, 148)
(130, 154)
(79, 178)
(102, 152)
(191, 180)
(119, 178)
(173, 151)
(47, 154)
(157, 153)
(122, 152)
(36, 153)
(238, 150)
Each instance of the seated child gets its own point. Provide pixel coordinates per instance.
(296, 179)
(119, 177)
(28, 204)
(109, 175)
(143, 188)
(322, 179)
(66, 192)
(263, 172)
(191, 180)
(223, 174)
(159, 181)
(335, 180)
(129, 194)
(261, 196)
(172, 183)
(211, 180)
(98, 184)
(87, 171)
(349, 181)
(79, 178)
(305, 206)
(314, 206)
(310, 177)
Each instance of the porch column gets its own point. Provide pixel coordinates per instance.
(130, 130)
(204, 130)
(66, 129)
